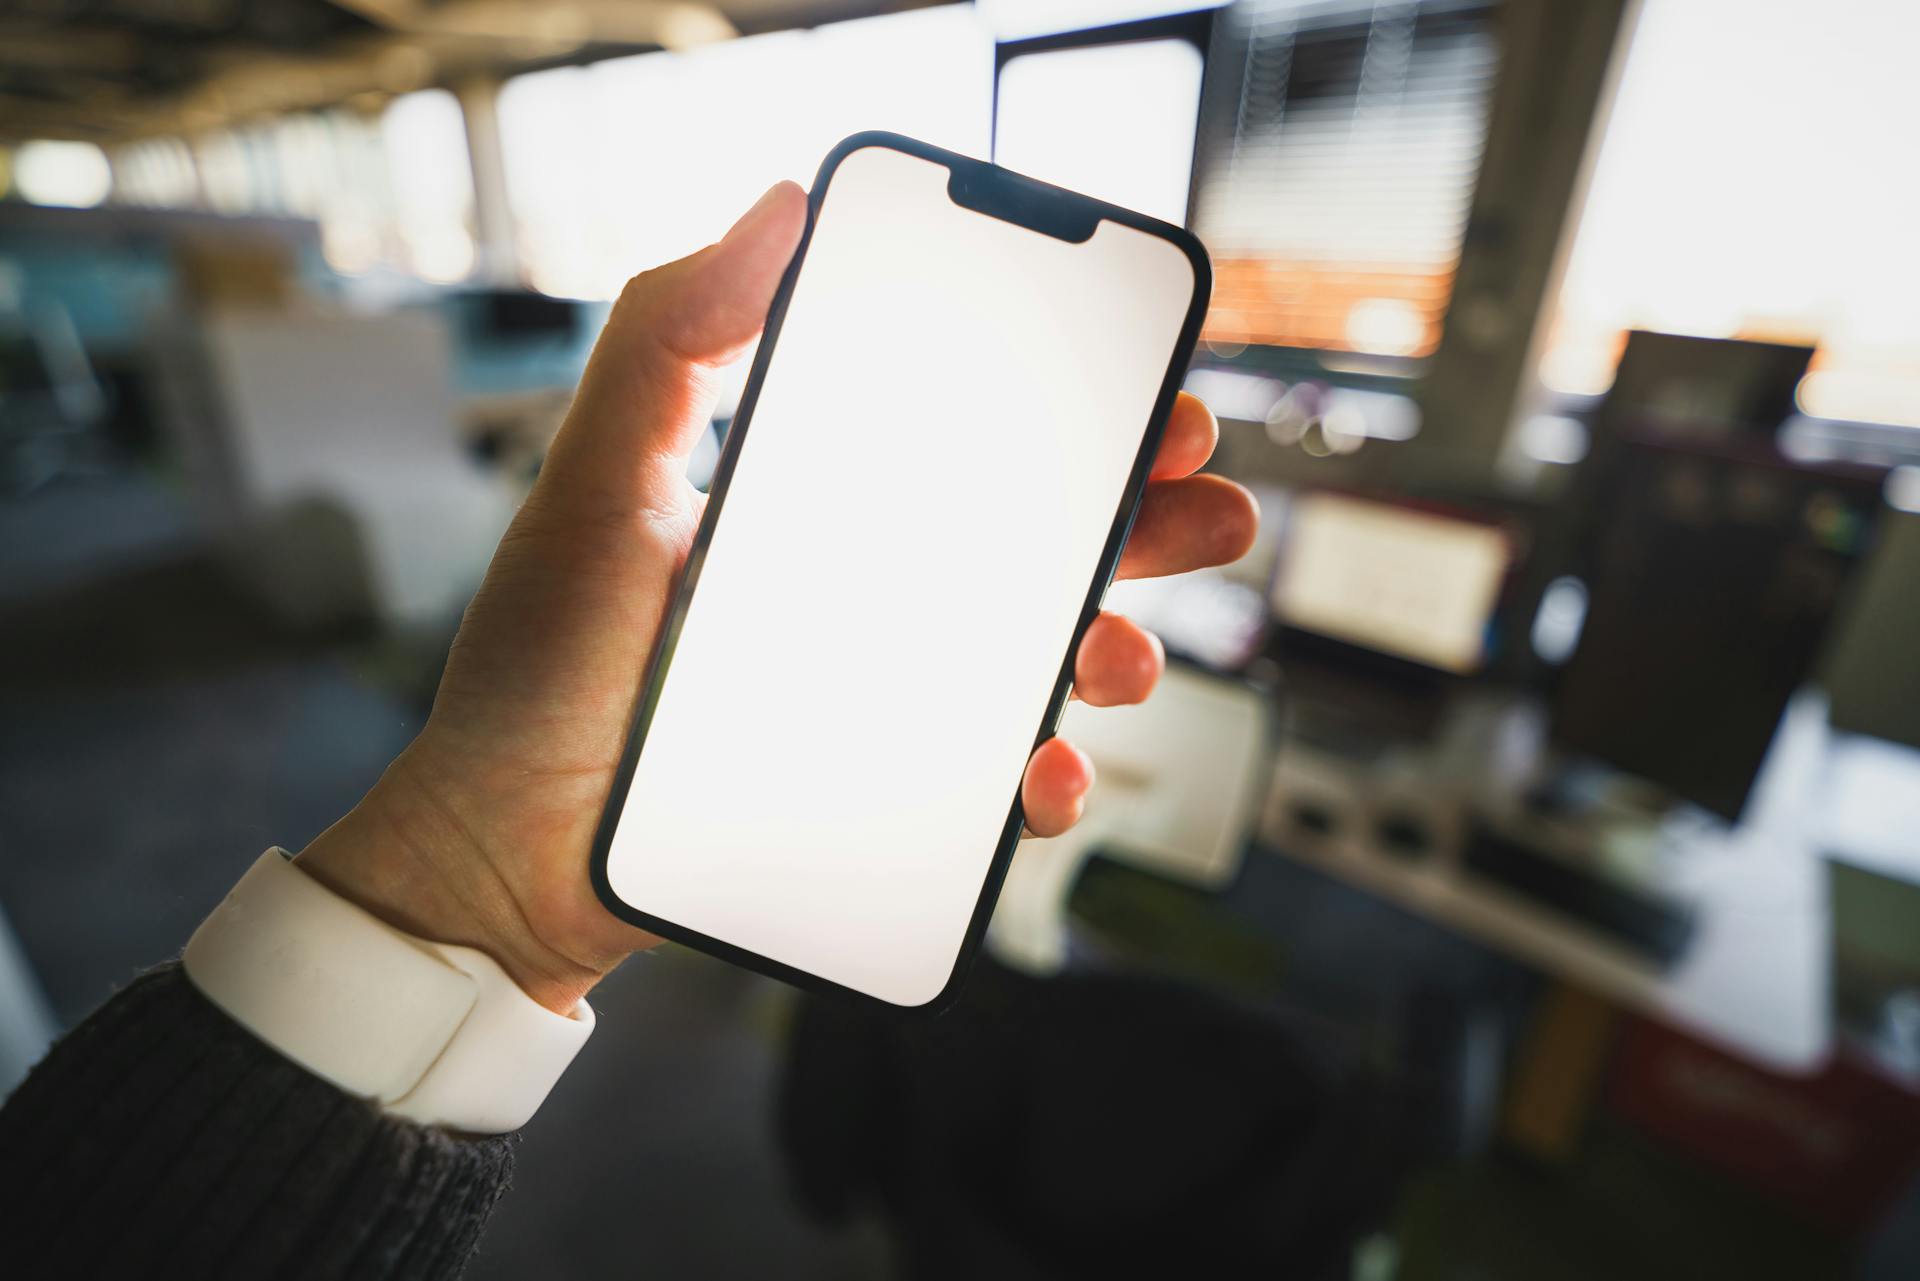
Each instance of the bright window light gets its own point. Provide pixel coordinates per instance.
(156, 172)
(75, 175)
(388, 191)
(1115, 121)
(224, 172)
(432, 182)
(622, 165)
(1752, 183)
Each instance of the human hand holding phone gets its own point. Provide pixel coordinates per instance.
(481, 832)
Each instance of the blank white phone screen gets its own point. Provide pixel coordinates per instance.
(943, 437)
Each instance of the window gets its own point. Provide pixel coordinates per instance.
(430, 175)
(1339, 152)
(628, 163)
(157, 172)
(72, 174)
(1115, 120)
(393, 190)
(1755, 181)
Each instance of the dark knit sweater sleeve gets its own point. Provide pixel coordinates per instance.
(161, 1139)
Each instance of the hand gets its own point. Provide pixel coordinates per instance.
(480, 833)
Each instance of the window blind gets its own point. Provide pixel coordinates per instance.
(1339, 148)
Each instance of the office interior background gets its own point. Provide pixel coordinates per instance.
(1516, 875)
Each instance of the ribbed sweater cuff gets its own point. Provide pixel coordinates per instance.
(160, 1138)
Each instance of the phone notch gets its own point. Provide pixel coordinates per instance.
(1023, 201)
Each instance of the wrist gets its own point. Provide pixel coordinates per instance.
(433, 1033)
(407, 854)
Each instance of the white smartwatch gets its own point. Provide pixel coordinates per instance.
(432, 1032)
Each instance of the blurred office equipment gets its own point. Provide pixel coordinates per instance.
(1711, 569)
(1837, 1145)
(1717, 568)
(1413, 583)
(236, 266)
(1872, 676)
(322, 447)
(1720, 930)
(1675, 389)
(51, 400)
(1716, 575)
(1383, 607)
(1876, 970)
(505, 315)
(1097, 1124)
(1177, 783)
(1572, 883)
(1415, 782)
(1868, 799)
(1688, 388)
(517, 356)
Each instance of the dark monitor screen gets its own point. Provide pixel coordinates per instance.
(1701, 388)
(1714, 576)
(509, 314)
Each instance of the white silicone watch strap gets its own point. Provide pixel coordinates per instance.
(435, 1033)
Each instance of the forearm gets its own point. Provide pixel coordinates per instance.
(159, 1138)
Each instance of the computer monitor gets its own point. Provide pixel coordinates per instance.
(1683, 387)
(1715, 573)
(1678, 389)
(509, 315)
(1414, 583)
(1871, 677)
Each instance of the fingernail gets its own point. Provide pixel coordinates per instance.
(760, 206)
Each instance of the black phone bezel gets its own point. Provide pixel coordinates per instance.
(998, 192)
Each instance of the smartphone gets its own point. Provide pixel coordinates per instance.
(921, 500)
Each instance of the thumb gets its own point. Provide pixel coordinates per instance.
(647, 393)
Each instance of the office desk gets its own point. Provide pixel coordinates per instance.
(1755, 978)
